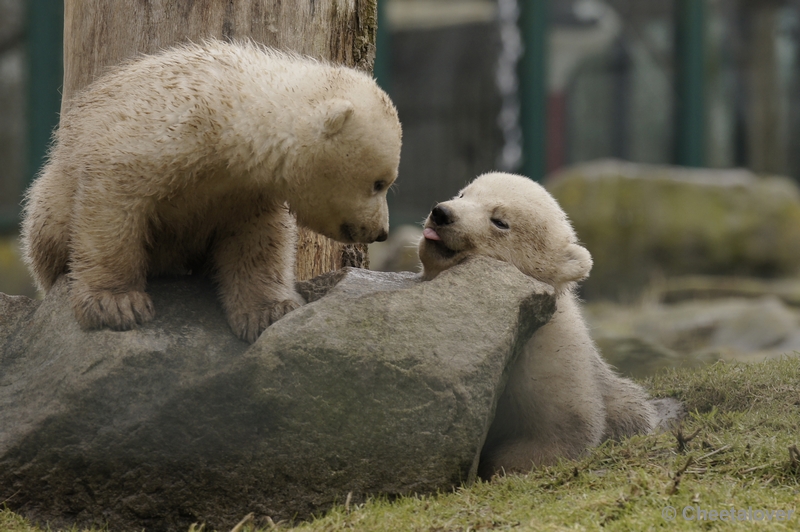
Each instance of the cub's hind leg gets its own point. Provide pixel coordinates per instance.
(45, 234)
(628, 410)
(552, 406)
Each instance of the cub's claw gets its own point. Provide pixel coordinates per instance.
(118, 311)
(249, 325)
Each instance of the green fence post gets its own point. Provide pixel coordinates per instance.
(382, 49)
(534, 23)
(690, 81)
(45, 76)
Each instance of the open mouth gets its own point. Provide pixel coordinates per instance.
(433, 239)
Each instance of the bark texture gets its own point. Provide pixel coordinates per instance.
(99, 35)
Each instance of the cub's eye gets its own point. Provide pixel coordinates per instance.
(461, 195)
(500, 224)
(379, 186)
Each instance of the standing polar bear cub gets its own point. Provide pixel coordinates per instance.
(194, 158)
(561, 397)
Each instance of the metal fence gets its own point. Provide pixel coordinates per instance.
(692, 82)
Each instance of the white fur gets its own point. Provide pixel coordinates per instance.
(189, 160)
(561, 397)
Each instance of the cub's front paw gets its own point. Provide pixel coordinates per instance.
(249, 325)
(118, 311)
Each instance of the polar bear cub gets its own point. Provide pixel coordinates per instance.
(561, 397)
(195, 159)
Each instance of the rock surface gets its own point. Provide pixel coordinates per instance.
(384, 385)
(685, 288)
(643, 339)
(669, 413)
(642, 222)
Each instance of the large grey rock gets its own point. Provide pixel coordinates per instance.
(644, 222)
(706, 287)
(384, 385)
(14, 310)
(643, 339)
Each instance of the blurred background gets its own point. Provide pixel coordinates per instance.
(669, 131)
(705, 83)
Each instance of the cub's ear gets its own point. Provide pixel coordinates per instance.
(576, 265)
(334, 114)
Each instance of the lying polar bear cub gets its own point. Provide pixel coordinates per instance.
(561, 397)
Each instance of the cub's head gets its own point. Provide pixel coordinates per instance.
(510, 218)
(349, 155)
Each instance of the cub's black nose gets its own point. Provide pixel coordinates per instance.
(382, 237)
(441, 215)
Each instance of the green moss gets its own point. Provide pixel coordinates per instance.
(746, 418)
(11, 522)
(730, 387)
(661, 222)
(14, 276)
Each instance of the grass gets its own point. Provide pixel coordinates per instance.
(737, 449)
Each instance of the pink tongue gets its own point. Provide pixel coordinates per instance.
(430, 234)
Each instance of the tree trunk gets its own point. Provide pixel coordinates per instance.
(104, 33)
